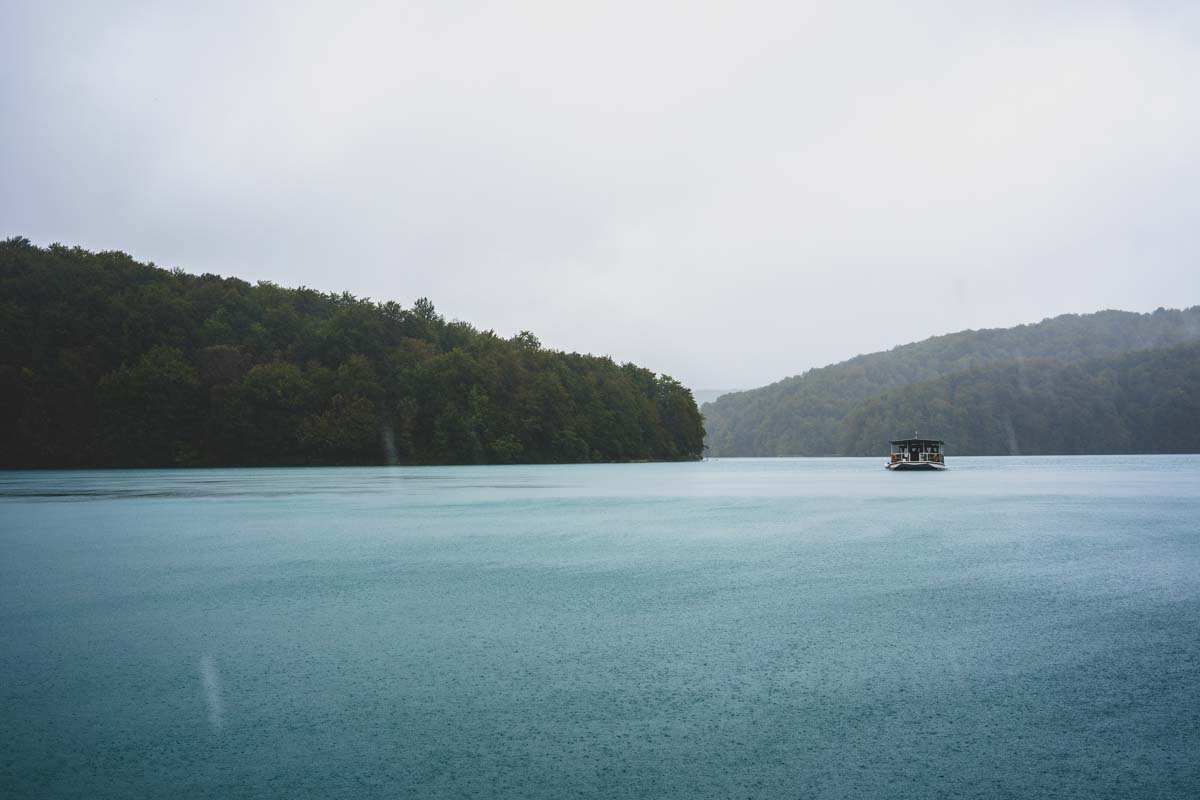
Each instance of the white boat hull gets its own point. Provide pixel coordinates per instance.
(915, 466)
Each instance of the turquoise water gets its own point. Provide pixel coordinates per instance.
(1014, 627)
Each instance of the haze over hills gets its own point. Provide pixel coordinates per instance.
(709, 395)
(1145, 401)
(854, 407)
(105, 362)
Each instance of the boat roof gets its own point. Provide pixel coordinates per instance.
(916, 441)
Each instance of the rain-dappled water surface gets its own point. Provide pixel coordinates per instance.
(1015, 627)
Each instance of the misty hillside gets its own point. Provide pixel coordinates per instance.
(1146, 401)
(808, 414)
(708, 395)
(105, 361)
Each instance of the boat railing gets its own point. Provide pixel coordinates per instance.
(936, 457)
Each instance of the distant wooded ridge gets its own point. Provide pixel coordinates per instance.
(106, 362)
(1109, 382)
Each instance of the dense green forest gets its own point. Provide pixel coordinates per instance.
(816, 413)
(1147, 401)
(105, 361)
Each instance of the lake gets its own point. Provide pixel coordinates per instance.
(809, 628)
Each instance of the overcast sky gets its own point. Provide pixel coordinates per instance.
(729, 192)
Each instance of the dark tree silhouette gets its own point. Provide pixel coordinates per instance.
(105, 361)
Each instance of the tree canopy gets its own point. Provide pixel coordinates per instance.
(1147, 401)
(854, 407)
(105, 361)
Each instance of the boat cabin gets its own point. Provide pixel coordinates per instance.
(917, 454)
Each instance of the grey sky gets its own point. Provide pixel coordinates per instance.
(729, 193)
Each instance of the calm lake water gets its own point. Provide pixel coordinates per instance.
(809, 628)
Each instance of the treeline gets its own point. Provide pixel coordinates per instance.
(105, 361)
(808, 414)
(1142, 402)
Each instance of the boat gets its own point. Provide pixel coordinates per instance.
(917, 454)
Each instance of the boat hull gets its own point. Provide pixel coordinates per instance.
(914, 466)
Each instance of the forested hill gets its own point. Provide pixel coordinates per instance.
(105, 361)
(1147, 401)
(808, 414)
